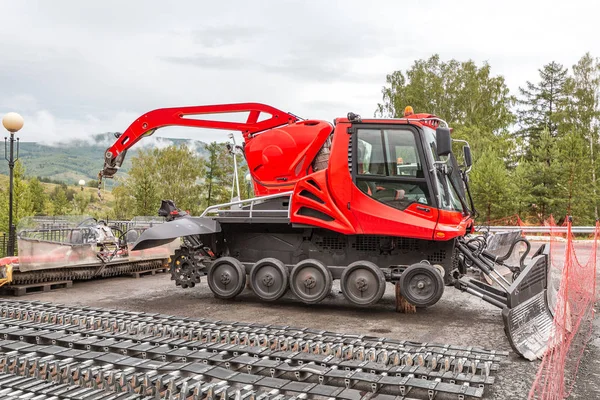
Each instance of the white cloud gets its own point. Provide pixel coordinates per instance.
(75, 69)
(45, 127)
(155, 142)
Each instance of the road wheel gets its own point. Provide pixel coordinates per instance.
(226, 278)
(269, 279)
(363, 283)
(422, 285)
(310, 281)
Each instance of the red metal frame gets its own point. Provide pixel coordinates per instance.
(179, 116)
(176, 117)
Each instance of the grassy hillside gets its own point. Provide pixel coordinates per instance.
(100, 207)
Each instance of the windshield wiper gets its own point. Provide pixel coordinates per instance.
(465, 179)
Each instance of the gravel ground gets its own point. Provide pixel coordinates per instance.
(458, 319)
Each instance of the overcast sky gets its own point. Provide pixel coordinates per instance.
(76, 68)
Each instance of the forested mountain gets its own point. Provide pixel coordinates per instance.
(78, 159)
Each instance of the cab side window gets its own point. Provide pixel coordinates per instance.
(389, 168)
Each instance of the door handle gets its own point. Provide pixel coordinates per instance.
(423, 209)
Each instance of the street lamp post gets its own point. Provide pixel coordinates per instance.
(248, 184)
(13, 122)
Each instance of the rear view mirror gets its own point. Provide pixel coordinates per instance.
(443, 141)
(467, 155)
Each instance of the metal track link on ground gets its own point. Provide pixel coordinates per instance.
(272, 336)
(84, 272)
(160, 344)
(461, 371)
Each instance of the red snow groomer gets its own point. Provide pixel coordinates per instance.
(365, 201)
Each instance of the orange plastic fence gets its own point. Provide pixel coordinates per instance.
(575, 282)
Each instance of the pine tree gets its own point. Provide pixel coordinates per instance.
(572, 151)
(522, 189)
(38, 196)
(124, 203)
(542, 105)
(490, 184)
(584, 114)
(544, 174)
(81, 201)
(23, 202)
(143, 183)
(59, 199)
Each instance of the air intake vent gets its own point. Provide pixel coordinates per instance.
(311, 212)
(313, 183)
(437, 256)
(366, 243)
(406, 244)
(309, 195)
(331, 243)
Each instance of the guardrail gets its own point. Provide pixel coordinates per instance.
(537, 229)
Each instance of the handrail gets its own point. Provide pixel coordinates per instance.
(537, 229)
(252, 201)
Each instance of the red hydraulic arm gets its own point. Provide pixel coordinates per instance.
(176, 116)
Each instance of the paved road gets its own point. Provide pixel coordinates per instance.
(458, 319)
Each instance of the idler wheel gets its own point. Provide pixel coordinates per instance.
(226, 278)
(269, 279)
(310, 281)
(421, 284)
(363, 283)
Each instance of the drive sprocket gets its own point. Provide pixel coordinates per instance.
(186, 270)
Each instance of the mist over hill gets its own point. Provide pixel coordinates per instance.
(77, 159)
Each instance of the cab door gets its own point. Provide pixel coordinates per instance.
(392, 193)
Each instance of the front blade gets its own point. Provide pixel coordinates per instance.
(528, 326)
(165, 233)
(528, 319)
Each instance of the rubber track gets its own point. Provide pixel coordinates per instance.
(317, 360)
(84, 272)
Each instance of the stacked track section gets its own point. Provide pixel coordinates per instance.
(55, 351)
(100, 270)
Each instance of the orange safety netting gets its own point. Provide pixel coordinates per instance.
(572, 294)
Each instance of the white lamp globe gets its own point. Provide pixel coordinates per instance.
(13, 122)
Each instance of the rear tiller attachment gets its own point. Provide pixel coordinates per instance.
(522, 297)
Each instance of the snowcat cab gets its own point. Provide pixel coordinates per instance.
(362, 201)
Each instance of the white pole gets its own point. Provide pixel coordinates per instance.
(235, 171)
